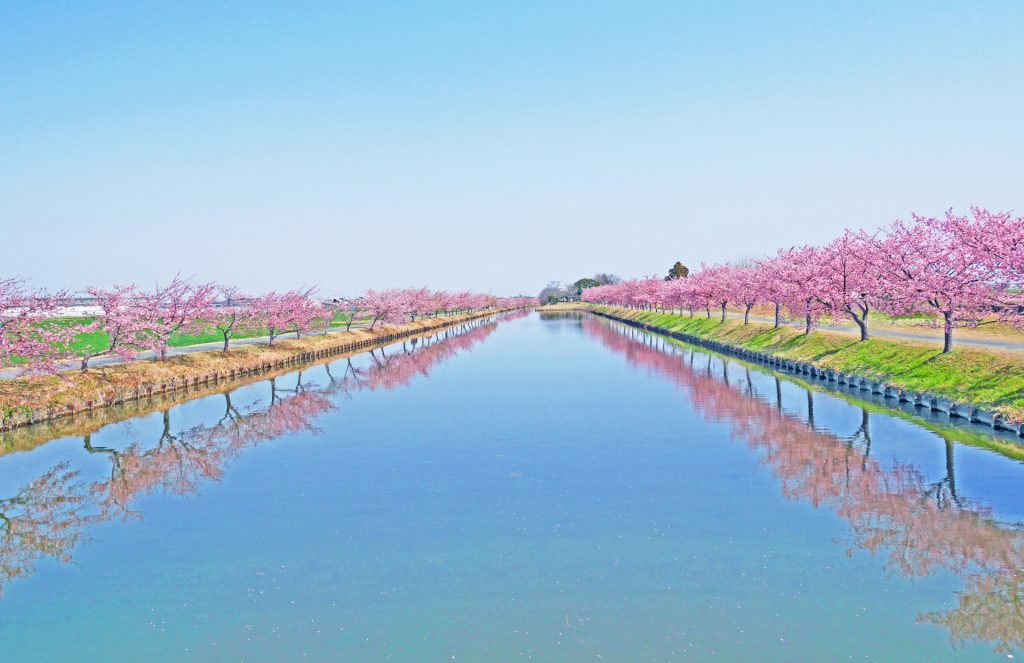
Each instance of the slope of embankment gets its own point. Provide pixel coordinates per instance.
(29, 400)
(978, 384)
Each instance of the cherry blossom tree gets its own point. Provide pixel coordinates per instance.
(849, 280)
(715, 283)
(443, 302)
(797, 271)
(996, 240)
(744, 289)
(417, 302)
(181, 306)
(124, 322)
(678, 293)
(771, 284)
(511, 302)
(384, 307)
(310, 315)
(703, 290)
(236, 313)
(926, 268)
(30, 337)
(352, 307)
(283, 312)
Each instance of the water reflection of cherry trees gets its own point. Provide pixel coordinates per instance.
(918, 525)
(45, 518)
(49, 516)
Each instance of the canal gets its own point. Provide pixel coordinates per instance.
(535, 487)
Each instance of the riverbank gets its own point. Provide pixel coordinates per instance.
(981, 385)
(30, 400)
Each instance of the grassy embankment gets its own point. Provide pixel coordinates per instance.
(91, 342)
(988, 379)
(968, 436)
(102, 386)
(85, 423)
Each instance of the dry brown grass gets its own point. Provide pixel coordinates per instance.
(559, 308)
(87, 422)
(39, 398)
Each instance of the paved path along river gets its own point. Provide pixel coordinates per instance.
(884, 331)
(99, 362)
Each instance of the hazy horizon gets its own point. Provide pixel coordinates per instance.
(486, 147)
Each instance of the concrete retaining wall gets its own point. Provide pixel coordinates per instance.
(924, 400)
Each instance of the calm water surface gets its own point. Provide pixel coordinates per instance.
(555, 489)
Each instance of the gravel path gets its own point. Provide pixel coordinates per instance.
(881, 331)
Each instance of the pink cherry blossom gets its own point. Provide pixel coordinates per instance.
(181, 306)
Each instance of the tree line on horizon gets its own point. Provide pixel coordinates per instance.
(555, 292)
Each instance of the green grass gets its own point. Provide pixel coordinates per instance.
(92, 342)
(961, 435)
(985, 378)
(214, 336)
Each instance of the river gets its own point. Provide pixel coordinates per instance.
(550, 488)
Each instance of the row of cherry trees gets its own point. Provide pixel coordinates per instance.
(954, 271)
(38, 334)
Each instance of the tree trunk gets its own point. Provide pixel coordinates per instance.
(746, 314)
(947, 332)
(226, 339)
(950, 473)
(778, 315)
(723, 312)
(861, 319)
(863, 327)
(807, 327)
(865, 427)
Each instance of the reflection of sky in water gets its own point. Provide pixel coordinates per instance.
(539, 496)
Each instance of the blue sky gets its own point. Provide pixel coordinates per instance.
(487, 145)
